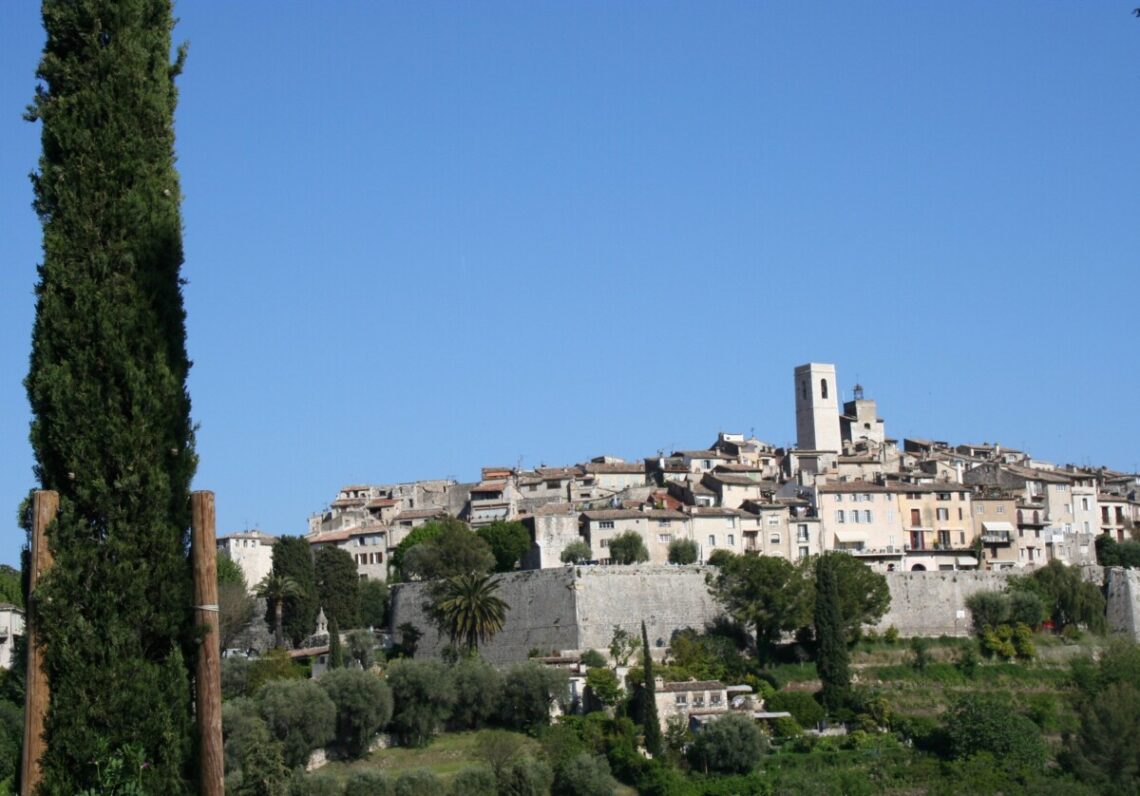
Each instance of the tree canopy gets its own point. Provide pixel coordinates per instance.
(338, 586)
(453, 550)
(293, 558)
(628, 548)
(508, 541)
(765, 593)
(111, 430)
(467, 608)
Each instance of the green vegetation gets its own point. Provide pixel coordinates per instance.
(276, 590)
(235, 606)
(468, 610)
(441, 549)
(628, 548)
(508, 541)
(292, 558)
(111, 430)
(338, 586)
(831, 658)
(683, 551)
(576, 552)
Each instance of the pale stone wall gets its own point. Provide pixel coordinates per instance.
(1123, 595)
(934, 603)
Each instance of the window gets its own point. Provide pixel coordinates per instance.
(605, 525)
(999, 509)
(854, 515)
(961, 537)
(698, 700)
(867, 515)
(712, 540)
(773, 519)
(981, 509)
(803, 552)
(890, 515)
(961, 515)
(604, 543)
(1084, 504)
(714, 699)
(773, 538)
(943, 514)
(663, 523)
(732, 539)
(838, 497)
(664, 538)
(840, 517)
(823, 388)
(802, 533)
(532, 487)
(1086, 526)
(943, 495)
(730, 522)
(682, 699)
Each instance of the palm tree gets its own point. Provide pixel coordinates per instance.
(277, 589)
(467, 608)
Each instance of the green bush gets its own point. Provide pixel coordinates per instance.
(299, 714)
(363, 706)
(731, 745)
(417, 783)
(1023, 645)
(891, 635)
(584, 775)
(526, 777)
(592, 659)
(529, 691)
(423, 693)
(478, 693)
(683, 551)
(986, 723)
(368, 782)
(801, 704)
(474, 781)
(316, 784)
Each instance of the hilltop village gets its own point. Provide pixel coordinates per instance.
(922, 505)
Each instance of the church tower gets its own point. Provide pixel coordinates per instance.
(817, 408)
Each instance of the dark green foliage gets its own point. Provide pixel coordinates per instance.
(584, 775)
(1110, 553)
(526, 777)
(423, 694)
(292, 558)
(11, 738)
(863, 595)
(421, 535)
(683, 551)
(11, 586)
(473, 781)
(986, 723)
(273, 665)
(576, 552)
(1026, 608)
(253, 758)
(919, 653)
(1068, 599)
(442, 550)
(317, 783)
(988, 608)
(498, 749)
(241, 725)
(417, 783)
(593, 659)
(1106, 750)
(802, 705)
(650, 724)
(107, 387)
(235, 677)
(373, 603)
(338, 586)
(363, 706)
(731, 745)
(831, 659)
(299, 714)
(360, 648)
(765, 593)
(508, 541)
(478, 691)
(719, 558)
(529, 691)
(628, 548)
(336, 651)
(967, 659)
(604, 687)
(368, 782)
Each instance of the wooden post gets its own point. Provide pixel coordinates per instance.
(208, 694)
(45, 505)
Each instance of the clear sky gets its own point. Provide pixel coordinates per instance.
(425, 237)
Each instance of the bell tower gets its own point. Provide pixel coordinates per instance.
(817, 408)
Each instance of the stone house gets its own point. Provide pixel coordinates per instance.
(657, 528)
(252, 551)
(995, 515)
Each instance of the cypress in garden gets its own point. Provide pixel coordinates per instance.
(111, 430)
(829, 635)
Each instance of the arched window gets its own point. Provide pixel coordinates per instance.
(803, 389)
(823, 388)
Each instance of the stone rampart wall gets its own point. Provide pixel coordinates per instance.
(1122, 587)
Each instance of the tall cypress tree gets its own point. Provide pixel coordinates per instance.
(829, 634)
(650, 723)
(293, 558)
(107, 386)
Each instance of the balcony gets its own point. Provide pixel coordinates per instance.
(997, 537)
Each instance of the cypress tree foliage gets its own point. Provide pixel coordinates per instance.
(650, 723)
(292, 558)
(107, 386)
(338, 585)
(829, 634)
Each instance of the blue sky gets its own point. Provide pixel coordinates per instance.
(421, 238)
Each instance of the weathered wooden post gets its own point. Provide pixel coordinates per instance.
(45, 505)
(208, 693)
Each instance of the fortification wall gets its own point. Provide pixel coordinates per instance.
(668, 598)
(1122, 592)
(934, 603)
(542, 616)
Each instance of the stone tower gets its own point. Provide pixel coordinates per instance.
(817, 408)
